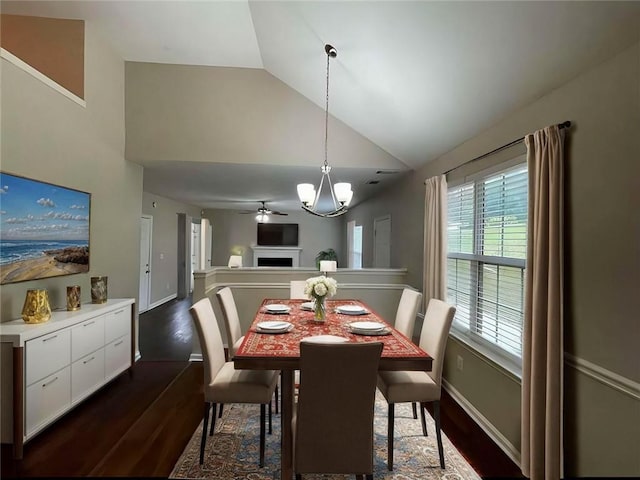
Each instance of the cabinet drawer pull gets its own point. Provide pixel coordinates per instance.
(50, 338)
(89, 323)
(118, 312)
(119, 343)
(87, 361)
(49, 382)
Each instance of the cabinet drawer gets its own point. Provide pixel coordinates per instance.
(87, 337)
(117, 324)
(87, 374)
(47, 354)
(46, 399)
(117, 357)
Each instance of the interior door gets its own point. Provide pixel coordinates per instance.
(195, 251)
(146, 231)
(382, 242)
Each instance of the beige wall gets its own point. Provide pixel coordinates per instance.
(232, 229)
(232, 115)
(602, 274)
(48, 137)
(164, 244)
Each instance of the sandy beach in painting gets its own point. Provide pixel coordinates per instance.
(40, 267)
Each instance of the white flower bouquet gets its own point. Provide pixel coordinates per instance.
(320, 287)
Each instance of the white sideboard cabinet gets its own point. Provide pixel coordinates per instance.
(48, 368)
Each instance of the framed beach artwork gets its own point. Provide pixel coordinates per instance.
(44, 229)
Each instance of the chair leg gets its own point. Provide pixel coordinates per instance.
(369, 476)
(415, 410)
(213, 422)
(423, 405)
(298, 476)
(390, 437)
(263, 408)
(436, 415)
(270, 428)
(205, 422)
(276, 399)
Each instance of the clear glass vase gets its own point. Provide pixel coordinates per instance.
(319, 308)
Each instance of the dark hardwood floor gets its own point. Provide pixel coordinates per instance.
(139, 424)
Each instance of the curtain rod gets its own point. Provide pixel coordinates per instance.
(562, 125)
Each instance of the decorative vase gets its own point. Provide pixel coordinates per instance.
(319, 308)
(36, 307)
(98, 289)
(73, 298)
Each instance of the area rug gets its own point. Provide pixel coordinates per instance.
(233, 451)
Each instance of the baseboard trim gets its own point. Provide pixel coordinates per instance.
(160, 302)
(604, 376)
(505, 445)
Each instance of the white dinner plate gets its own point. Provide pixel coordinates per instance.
(367, 326)
(325, 339)
(277, 308)
(307, 306)
(351, 309)
(273, 327)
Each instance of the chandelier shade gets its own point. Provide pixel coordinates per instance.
(341, 193)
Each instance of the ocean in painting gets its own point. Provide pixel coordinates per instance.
(18, 250)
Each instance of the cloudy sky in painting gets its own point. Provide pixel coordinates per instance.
(31, 210)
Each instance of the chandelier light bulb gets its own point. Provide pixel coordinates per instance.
(343, 192)
(307, 193)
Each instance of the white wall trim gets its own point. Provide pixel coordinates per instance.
(507, 447)
(160, 302)
(604, 376)
(40, 76)
(195, 357)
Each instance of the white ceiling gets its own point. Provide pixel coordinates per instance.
(416, 78)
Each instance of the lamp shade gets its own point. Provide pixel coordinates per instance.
(306, 193)
(235, 261)
(328, 265)
(343, 192)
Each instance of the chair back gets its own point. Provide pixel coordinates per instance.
(210, 338)
(407, 311)
(434, 334)
(231, 318)
(334, 427)
(296, 289)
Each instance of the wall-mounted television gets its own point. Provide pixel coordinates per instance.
(44, 230)
(278, 234)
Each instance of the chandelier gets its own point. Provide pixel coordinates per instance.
(341, 193)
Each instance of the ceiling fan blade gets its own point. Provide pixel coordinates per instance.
(279, 213)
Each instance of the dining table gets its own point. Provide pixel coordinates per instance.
(280, 349)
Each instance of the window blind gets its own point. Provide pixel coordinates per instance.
(487, 246)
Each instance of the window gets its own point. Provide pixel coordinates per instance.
(486, 258)
(354, 240)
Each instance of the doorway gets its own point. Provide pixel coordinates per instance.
(146, 234)
(382, 242)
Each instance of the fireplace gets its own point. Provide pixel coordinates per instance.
(275, 262)
(276, 256)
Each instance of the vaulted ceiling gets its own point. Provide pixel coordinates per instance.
(414, 78)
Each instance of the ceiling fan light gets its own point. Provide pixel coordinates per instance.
(307, 193)
(343, 192)
(262, 218)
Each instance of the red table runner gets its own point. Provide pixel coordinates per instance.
(287, 345)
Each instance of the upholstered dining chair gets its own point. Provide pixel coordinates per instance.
(333, 430)
(406, 320)
(233, 327)
(422, 387)
(222, 382)
(296, 290)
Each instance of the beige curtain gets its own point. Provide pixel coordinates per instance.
(542, 335)
(435, 240)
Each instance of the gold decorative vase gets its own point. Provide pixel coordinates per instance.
(36, 307)
(98, 289)
(73, 298)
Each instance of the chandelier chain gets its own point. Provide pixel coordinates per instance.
(326, 115)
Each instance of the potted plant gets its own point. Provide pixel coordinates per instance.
(328, 254)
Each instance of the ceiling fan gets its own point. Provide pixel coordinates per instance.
(262, 213)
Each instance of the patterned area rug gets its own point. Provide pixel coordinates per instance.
(233, 451)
